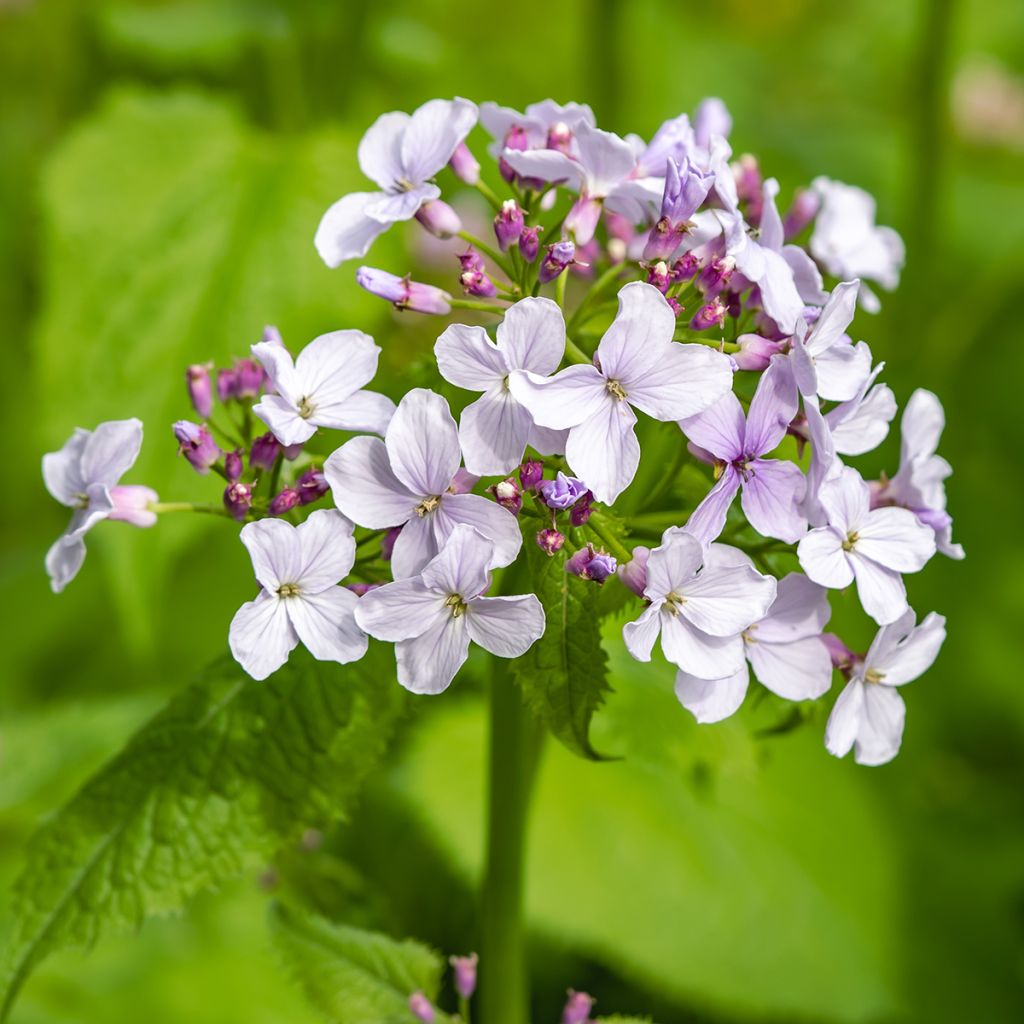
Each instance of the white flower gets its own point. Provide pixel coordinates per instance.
(495, 429)
(870, 711)
(699, 608)
(83, 476)
(322, 387)
(431, 618)
(636, 364)
(873, 546)
(298, 568)
(405, 479)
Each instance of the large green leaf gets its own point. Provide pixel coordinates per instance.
(354, 976)
(218, 780)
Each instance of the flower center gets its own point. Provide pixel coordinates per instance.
(851, 538)
(457, 605)
(427, 505)
(306, 407)
(674, 602)
(288, 590)
(616, 390)
(81, 499)
(873, 676)
(748, 634)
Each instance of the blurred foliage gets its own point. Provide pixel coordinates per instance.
(162, 170)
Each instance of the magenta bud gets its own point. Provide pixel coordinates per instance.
(238, 499)
(264, 452)
(474, 282)
(716, 275)
(579, 514)
(676, 306)
(556, 259)
(529, 244)
(387, 543)
(660, 276)
(227, 385)
(634, 572)
(756, 351)
(465, 165)
(515, 138)
(464, 970)
(249, 377)
(361, 589)
(591, 564)
(292, 451)
(841, 655)
(749, 187)
(196, 443)
(439, 218)
(233, 465)
(710, 315)
(403, 293)
(422, 1008)
(131, 504)
(508, 495)
(801, 213)
(284, 502)
(577, 1008)
(312, 486)
(200, 390)
(471, 260)
(530, 474)
(560, 138)
(550, 541)
(508, 224)
(685, 268)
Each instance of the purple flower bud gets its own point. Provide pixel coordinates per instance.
(716, 275)
(711, 315)
(660, 276)
(272, 336)
(580, 512)
(560, 138)
(531, 473)
(756, 351)
(556, 259)
(463, 481)
(387, 543)
(634, 572)
(577, 1008)
(196, 443)
(734, 304)
(508, 495)
(677, 307)
(284, 502)
(474, 282)
(292, 451)
(563, 492)
(360, 589)
(403, 293)
(227, 385)
(472, 260)
(464, 969)
(685, 268)
(801, 213)
(529, 244)
(841, 655)
(515, 138)
(264, 452)
(591, 564)
(685, 189)
(421, 1007)
(439, 218)
(465, 165)
(550, 541)
(200, 390)
(238, 499)
(131, 504)
(749, 187)
(508, 224)
(233, 465)
(312, 486)
(249, 375)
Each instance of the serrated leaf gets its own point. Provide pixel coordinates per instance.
(354, 976)
(230, 770)
(564, 675)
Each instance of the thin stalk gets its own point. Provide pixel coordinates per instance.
(614, 545)
(160, 507)
(492, 253)
(488, 193)
(486, 307)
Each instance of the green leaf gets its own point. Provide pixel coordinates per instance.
(564, 675)
(354, 976)
(229, 771)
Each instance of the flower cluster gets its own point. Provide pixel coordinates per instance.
(625, 282)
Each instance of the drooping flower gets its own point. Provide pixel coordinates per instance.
(869, 714)
(495, 429)
(323, 387)
(785, 649)
(406, 479)
(636, 364)
(432, 617)
(848, 244)
(873, 546)
(83, 475)
(771, 488)
(700, 609)
(401, 153)
(298, 569)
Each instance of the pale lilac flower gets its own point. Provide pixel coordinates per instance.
(535, 126)
(870, 712)
(919, 483)
(298, 569)
(772, 489)
(686, 187)
(83, 475)
(404, 293)
(785, 649)
(322, 387)
(406, 479)
(699, 609)
(495, 429)
(591, 564)
(862, 424)
(848, 244)
(432, 617)
(401, 153)
(873, 546)
(636, 364)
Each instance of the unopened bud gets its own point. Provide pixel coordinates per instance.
(756, 351)
(749, 187)
(841, 655)
(284, 502)
(529, 244)
(685, 268)
(264, 452)
(465, 165)
(439, 218)
(464, 969)
(801, 213)
(508, 224)
(471, 260)
(591, 564)
(660, 276)
(580, 512)
(249, 375)
(675, 305)
(711, 315)
(508, 495)
(556, 259)
(560, 138)
(233, 465)
(530, 474)
(238, 499)
(577, 1008)
(196, 443)
(422, 1008)
(550, 541)
(475, 282)
(227, 385)
(403, 293)
(200, 390)
(312, 486)
(131, 504)
(634, 572)
(716, 275)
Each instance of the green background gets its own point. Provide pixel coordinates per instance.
(162, 170)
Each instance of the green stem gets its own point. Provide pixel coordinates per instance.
(160, 507)
(493, 254)
(595, 290)
(488, 193)
(515, 742)
(487, 307)
(614, 545)
(574, 353)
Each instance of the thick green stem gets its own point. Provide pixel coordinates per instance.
(514, 748)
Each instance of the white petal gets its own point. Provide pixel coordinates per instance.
(712, 700)
(461, 566)
(772, 497)
(545, 164)
(380, 149)
(433, 134)
(881, 591)
(795, 670)
(607, 158)
(684, 380)
(844, 722)
(772, 408)
(846, 499)
(822, 557)
(63, 561)
(921, 426)
(639, 334)
(707, 521)
(277, 361)
(361, 412)
(325, 623)
(604, 452)
(842, 370)
(333, 366)
(698, 653)
(725, 601)
(532, 336)
(399, 610)
(640, 634)
(497, 524)
(261, 636)
(346, 231)
(553, 442)
(62, 470)
(390, 208)
(365, 488)
(493, 432)
(672, 564)
(881, 726)
(505, 626)
(283, 419)
(416, 545)
(770, 230)
(779, 297)
(428, 663)
(913, 655)
(895, 538)
(800, 610)
(110, 451)
(327, 550)
(275, 550)
(468, 358)
(719, 429)
(836, 316)
(565, 400)
(423, 443)
(806, 275)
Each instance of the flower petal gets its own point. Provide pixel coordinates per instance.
(532, 336)
(333, 366)
(606, 158)
(725, 601)
(772, 408)
(685, 380)
(505, 626)
(638, 336)
(698, 653)
(771, 499)
(362, 412)
(63, 561)
(881, 726)
(325, 623)
(390, 208)
(712, 700)
(468, 358)
(604, 452)
(545, 165)
(346, 231)
(844, 722)
(565, 400)
(62, 470)
(913, 654)
(895, 538)
(719, 429)
(283, 419)
(640, 634)
(327, 550)
(497, 524)
(795, 670)
(822, 557)
(380, 149)
(399, 610)
(110, 451)
(707, 520)
(423, 443)
(842, 370)
(428, 663)
(846, 500)
(800, 610)
(261, 636)
(433, 134)
(416, 545)
(365, 488)
(461, 566)
(672, 564)
(276, 552)
(881, 591)
(493, 432)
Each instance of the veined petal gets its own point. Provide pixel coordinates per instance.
(333, 366)
(779, 297)
(505, 626)
(545, 165)
(913, 654)
(110, 451)
(283, 419)
(462, 565)
(532, 336)
(428, 663)
(63, 561)
(433, 134)
(699, 653)
(325, 623)
(895, 538)
(361, 412)
(327, 550)
(846, 499)
(487, 517)
(672, 564)
(468, 358)
(640, 634)
(607, 158)
(707, 521)
(553, 442)
(795, 669)
(772, 408)
(712, 700)
(881, 591)
(772, 493)
(725, 601)
(423, 443)
(822, 557)
(638, 336)
(844, 722)
(719, 429)
(842, 370)
(685, 380)
(400, 610)
(835, 317)
(864, 427)
(62, 470)
(565, 400)
(380, 149)
(277, 361)
(493, 432)
(806, 275)
(881, 726)
(921, 426)
(276, 552)
(771, 231)
(415, 546)
(346, 231)
(604, 452)
(261, 636)
(800, 610)
(365, 488)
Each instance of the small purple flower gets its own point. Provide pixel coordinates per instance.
(531, 473)
(250, 377)
(200, 390)
(558, 257)
(580, 513)
(465, 166)
(508, 224)
(550, 541)
(196, 443)
(439, 218)
(716, 275)
(710, 315)
(227, 385)
(660, 276)
(464, 970)
(590, 564)
(238, 499)
(686, 188)
(285, 501)
(563, 492)
(529, 243)
(233, 465)
(471, 260)
(264, 452)
(685, 268)
(476, 282)
(422, 1008)
(403, 293)
(508, 495)
(577, 1008)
